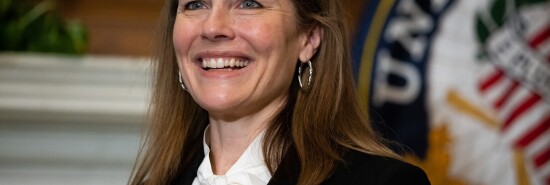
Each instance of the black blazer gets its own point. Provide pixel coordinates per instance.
(357, 169)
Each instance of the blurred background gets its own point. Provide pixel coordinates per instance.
(463, 85)
(73, 89)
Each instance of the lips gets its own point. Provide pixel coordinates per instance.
(223, 63)
(228, 60)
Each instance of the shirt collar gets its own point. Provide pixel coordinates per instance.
(250, 168)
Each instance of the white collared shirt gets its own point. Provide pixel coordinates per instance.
(250, 168)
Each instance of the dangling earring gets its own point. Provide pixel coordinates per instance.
(181, 82)
(310, 66)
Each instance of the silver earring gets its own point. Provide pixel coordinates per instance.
(181, 82)
(309, 78)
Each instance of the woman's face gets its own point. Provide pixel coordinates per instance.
(237, 57)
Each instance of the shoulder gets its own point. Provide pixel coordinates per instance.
(362, 168)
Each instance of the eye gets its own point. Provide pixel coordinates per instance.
(194, 5)
(250, 4)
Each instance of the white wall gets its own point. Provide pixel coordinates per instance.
(70, 120)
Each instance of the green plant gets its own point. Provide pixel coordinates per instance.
(25, 26)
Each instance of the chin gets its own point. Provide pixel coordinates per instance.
(218, 103)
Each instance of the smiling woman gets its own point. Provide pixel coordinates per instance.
(264, 37)
(267, 97)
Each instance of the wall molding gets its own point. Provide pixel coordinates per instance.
(70, 120)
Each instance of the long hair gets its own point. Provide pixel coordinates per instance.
(320, 123)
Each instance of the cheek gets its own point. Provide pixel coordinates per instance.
(181, 37)
(260, 35)
(278, 45)
(271, 37)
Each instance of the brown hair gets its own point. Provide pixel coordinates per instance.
(321, 123)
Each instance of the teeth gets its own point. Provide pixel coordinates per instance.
(232, 62)
(219, 63)
(212, 63)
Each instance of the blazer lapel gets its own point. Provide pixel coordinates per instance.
(186, 174)
(288, 171)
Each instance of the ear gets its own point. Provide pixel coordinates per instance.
(311, 43)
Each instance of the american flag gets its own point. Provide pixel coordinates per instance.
(521, 100)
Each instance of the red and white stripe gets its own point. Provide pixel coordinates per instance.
(540, 41)
(524, 116)
(537, 29)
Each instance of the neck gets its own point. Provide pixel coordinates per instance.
(228, 140)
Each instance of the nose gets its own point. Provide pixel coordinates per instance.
(218, 25)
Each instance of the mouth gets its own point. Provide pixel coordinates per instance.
(226, 64)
